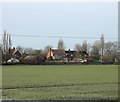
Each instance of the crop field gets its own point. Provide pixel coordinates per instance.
(60, 82)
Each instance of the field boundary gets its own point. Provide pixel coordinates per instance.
(61, 63)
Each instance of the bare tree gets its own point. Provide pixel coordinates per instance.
(95, 48)
(7, 42)
(111, 50)
(77, 47)
(84, 45)
(20, 48)
(10, 42)
(1, 46)
(4, 41)
(61, 45)
(88, 48)
(1, 52)
(28, 50)
(102, 43)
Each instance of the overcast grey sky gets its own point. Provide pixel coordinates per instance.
(82, 19)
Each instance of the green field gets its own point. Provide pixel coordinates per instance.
(64, 82)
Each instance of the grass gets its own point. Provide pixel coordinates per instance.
(64, 82)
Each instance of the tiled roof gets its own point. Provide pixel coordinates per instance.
(58, 51)
(70, 51)
(11, 51)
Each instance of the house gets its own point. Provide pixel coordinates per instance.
(67, 55)
(14, 52)
(76, 55)
(81, 54)
(11, 53)
(70, 54)
(56, 54)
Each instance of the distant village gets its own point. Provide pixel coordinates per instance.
(100, 52)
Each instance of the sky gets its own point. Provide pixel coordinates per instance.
(66, 19)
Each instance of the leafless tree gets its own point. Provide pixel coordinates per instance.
(61, 45)
(95, 48)
(25, 50)
(88, 48)
(20, 48)
(102, 43)
(111, 50)
(1, 53)
(10, 42)
(28, 50)
(1, 46)
(4, 41)
(84, 45)
(7, 42)
(77, 47)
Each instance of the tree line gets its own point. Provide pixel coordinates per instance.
(99, 50)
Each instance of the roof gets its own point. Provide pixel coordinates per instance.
(76, 52)
(58, 51)
(32, 57)
(13, 51)
(70, 51)
(83, 52)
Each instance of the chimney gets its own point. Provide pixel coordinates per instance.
(69, 50)
(50, 52)
(50, 49)
(13, 48)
